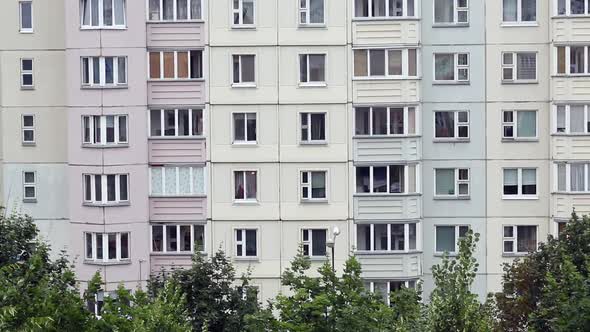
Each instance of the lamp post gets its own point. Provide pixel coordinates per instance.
(331, 243)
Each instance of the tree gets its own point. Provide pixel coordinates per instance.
(453, 307)
(549, 289)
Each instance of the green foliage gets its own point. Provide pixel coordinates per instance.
(549, 290)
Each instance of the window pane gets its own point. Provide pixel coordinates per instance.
(183, 122)
(361, 8)
(119, 12)
(412, 62)
(95, 13)
(199, 237)
(510, 182)
(362, 180)
(112, 246)
(316, 11)
(111, 189)
(526, 66)
(444, 67)
(561, 7)
(107, 6)
(99, 246)
(529, 181)
(444, 124)
(527, 238)
(184, 180)
(122, 129)
(360, 63)
(181, 9)
(561, 177)
(577, 119)
(182, 58)
(197, 122)
(239, 185)
(303, 68)
(316, 67)
(110, 128)
(168, 64)
(250, 242)
(527, 123)
(397, 237)
(154, 64)
(445, 182)
(379, 179)
(98, 188)
(198, 180)
(196, 64)
(96, 70)
(236, 68)
(157, 238)
(168, 9)
(445, 238)
(196, 9)
(26, 15)
(395, 62)
(510, 11)
(411, 178)
(87, 187)
(577, 7)
(577, 58)
(412, 236)
(361, 120)
(248, 68)
(155, 123)
(377, 58)
(239, 126)
(251, 127)
(396, 121)
(169, 123)
(379, 121)
(529, 10)
(380, 237)
(318, 242)
(363, 237)
(577, 174)
(185, 238)
(124, 245)
(396, 178)
(318, 185)
(396, 7)
(156, 180)
(378, 8)
(171, 238)
(248, 11)
(443, 11)
(154, 10)
(251, 185)
(109, 74)
(318, 127)
(88, 240)
(561, 60)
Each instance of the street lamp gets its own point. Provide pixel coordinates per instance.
(332, 241)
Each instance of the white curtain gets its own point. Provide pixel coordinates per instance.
(527, 123)
(184, 180)
(196, 9)
(156, 180)
(561, 177)
(198, 180)
(444, 11)
(526, 66)
(529, 181)
(577, 119)
(577, 174)
(445, 182)
(170, 177)
(181, 9)
(509, 14)
(378, 8)
(119, 12)
(316, 11)
(444, 67)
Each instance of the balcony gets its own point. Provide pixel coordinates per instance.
(386, 149)
(387, 207)
(571, 88)
(385, 32)
(176, 92)
(175, 34)
(178, 208)
(377, 265)
(570, 29)
(563, 205)
(570, 147)
(177, 151)
(374, 91)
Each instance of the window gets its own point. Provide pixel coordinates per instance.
(29, 186)
(313, 127)
(451, 67)
(573, 177)
(26, 74)
(384, 8)
(244, 72)
(313, 185)
(392, 121)
(244, 128)
(174, 10)
(246, 242)
(182, 238)
(311, 12)
(447, 238)
(386, 287)
(245, 185)
(26, 16)
(572, 7)
(107, 247)
(177, 181)
(451, 12)
(386, 237)
(392, 179)
(519, 124)
(572, 119)
(385, 63)
(314, 242)
(520, 183)
(451, 125)
(176, 65)
(519, 11)
(104, 71)
(312, 69)
(243, 13)
(102, 13)
(519, 67)
(176, 123)
(103, 189)
(451, 182)
(560, 227)
(572, 60)
(104, 129)
(28, 129)
(519, 239)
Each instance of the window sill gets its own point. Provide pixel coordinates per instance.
(570, 75)
(449, 254)
(386, 78)
(29, 144)
(122, 262)
(571, 134)
(29, 200)
(313, 143)
(317, 258)
(103, 87)
(314, 201)
(244, 85)
(245, 144)
(247, 259)
(450, 25)
(369, 137)
(27, 87)
(451, 82)
(571, 193)
(388, 18)
(246, 202)
(451, 198)
(519, 140)
(105, 146)
(177, 138)
(519, 24)
(512, 82)
(175, 80)
(244, 27)
(518, 198)
(508, 254)
(451, 140)
(571, 16)
(179, 196)
(26, 32)
(175, 21)
(105, 204)
(320, 26)
(90, 28)
(313, 85)
(392, 195)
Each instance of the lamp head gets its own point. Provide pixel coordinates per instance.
(336, 231)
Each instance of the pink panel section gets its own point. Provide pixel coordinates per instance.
(166, 151)
(175, 35)
(168, 262)
(178, 208)
(176, 92)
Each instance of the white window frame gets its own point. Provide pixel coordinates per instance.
(405, 64)
(568, 180)
(241, 24)
(389, 244)
(514, 125)
(514, 240)
(103, 130)
(457, 125)
(105, 248)
(406, 180)
(457, 67)
(190, 69)
(308, 139)
(25, 129)
(20, 17)
(305, 10)
(309, 185)
(309, 82)
(233, 129)
(567, 52)
(191, 113)
(104, 189)
(406, 109)
(568, 9)
(165, 238)
(175, 12)
(408, 283)
(102, 72)
(457, 237)
(309, 242)
(520, 195)
(101, 20)
(567, 109)
(514, 68)
(456, 10)
(458, 182)
(244, 199)
(29, 185)
(241, 83)
(27, 72)
(519, 21)
(388, 15)
(192, 175)
(242, 255)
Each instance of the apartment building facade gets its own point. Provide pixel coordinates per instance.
(254, 126)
